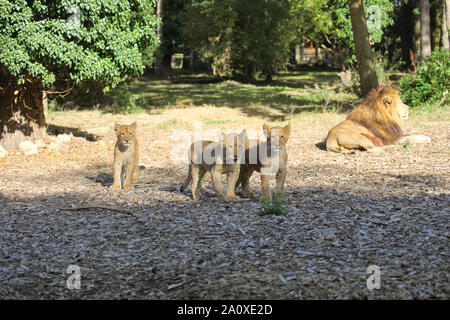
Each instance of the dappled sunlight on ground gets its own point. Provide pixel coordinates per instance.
(345, 212)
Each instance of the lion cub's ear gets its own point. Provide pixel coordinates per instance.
(387, 101)
(287, 129)
(243, 137)
(116, 126)
(266, 129)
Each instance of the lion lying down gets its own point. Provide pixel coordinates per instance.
(375, 122)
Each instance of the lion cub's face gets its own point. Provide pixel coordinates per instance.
(392, 101)
(125, 133)
(277, 136)
(235, 144)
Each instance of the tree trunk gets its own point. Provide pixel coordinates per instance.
(425, 38)
(45, 105)
(416, 35)
(445, 24)
(159, 64)
(366, 63)
(408, 19)
(435, 25)
(316, 53)
(21, 112)
(447, 13)
(298, 56)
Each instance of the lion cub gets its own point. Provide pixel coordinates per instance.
(266, 157)
(217, 158)
(126, 157)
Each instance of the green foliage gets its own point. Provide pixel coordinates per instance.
(276, 206)
(105, 45)
(124, 101)
(431, 83)
(328, 21)
(242, 37)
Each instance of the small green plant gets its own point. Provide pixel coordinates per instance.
(407, 144)
(276, 206)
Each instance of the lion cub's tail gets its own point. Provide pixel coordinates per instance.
(188, 179)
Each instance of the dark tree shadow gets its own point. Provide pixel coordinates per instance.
(55, 130)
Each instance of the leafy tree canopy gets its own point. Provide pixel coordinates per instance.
(71, 41)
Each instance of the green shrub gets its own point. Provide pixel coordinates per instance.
(124, 101)
(431, 83)
(277, 205)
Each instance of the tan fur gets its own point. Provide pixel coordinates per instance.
(126, 157)
(278, 141)
(231, 145)
(375, 122)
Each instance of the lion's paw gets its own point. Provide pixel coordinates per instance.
(248, 194)
(419, 138)
(265, 197)
(128, 186)
(234, 198)
(115, 187)
(375, 150)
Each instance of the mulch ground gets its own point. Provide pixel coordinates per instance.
(345, 213)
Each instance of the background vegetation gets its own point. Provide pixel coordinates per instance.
(75, 53)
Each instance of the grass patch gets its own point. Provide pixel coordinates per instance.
(218, 122)
(407, 144)
(172, 123)
(290, 93)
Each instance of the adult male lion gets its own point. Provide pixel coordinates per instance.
(374, 123)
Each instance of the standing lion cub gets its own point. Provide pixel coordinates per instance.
(266, 158)
(217, 158)
(126, 157)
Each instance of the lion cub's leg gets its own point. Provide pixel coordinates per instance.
(129, 172)
(136, 162)
(281, 177)
(195, 182)
(232, 177)
(265, 187)
(200, 177)
(117, 171)
(244, 179)
(216, 175)
(188, 179)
